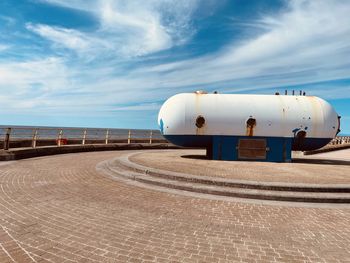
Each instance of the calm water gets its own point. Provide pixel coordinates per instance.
(26, 132)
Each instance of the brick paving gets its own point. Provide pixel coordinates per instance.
(192, 162)
(60, 209)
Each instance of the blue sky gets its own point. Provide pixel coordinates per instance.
(104, 63)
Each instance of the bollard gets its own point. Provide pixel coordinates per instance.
(107, 135)
(7, 139)
(35, 135)
(59, 138)
(150, 137)
(129, 137)
(84, 137)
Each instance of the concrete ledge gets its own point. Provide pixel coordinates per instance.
(23, 153)
(202, 179)
(122, 168)
(328, 148)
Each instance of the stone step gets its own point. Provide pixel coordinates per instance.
(119, 169)
(273, 186)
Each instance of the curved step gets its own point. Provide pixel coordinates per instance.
(119, 168)
(274, 186)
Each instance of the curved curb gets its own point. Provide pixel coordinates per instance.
(17, 154)
(328, 149)
(122, 167)
(275, 186)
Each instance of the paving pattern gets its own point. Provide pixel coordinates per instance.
(60, 209)
(319, 171)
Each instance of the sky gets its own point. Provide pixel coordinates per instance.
(112, 63)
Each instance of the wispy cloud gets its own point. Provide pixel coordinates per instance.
(7, 20)
(51, 72)
(62, 37)
(309, 42)
(4, 47)
(32, 85)
(140, 107)
(120, 67)
(132, 28)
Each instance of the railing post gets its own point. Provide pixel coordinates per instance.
(150, 137)
(107, 135)
(35, 135)
(59, 138)
(129, 137)
(7, 139)
(84, 138)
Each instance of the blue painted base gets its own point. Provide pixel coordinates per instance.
(225, 148)
(221, 147)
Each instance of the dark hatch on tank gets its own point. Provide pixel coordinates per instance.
(252, 149)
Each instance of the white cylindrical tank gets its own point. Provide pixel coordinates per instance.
(190, 119)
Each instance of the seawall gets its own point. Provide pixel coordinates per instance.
(22, 153)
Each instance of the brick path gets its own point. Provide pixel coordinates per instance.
(59, 209)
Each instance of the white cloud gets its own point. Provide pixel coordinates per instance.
(139, 107)
(307, 42)
(4, 47)
(26, 85)
(68, 38)
(49, 70)
(140, 30)
(306, 26)
(131, 28)
(9, 21)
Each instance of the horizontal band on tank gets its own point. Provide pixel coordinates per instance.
(304, 144)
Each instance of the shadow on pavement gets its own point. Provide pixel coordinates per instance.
(321, 161)
(195, 156)
(294, 160)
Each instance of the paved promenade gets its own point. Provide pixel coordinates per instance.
(60, 209)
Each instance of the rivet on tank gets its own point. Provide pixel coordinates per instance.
(248, 126)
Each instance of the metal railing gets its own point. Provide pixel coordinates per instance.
(22, 137)
(340, 140)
